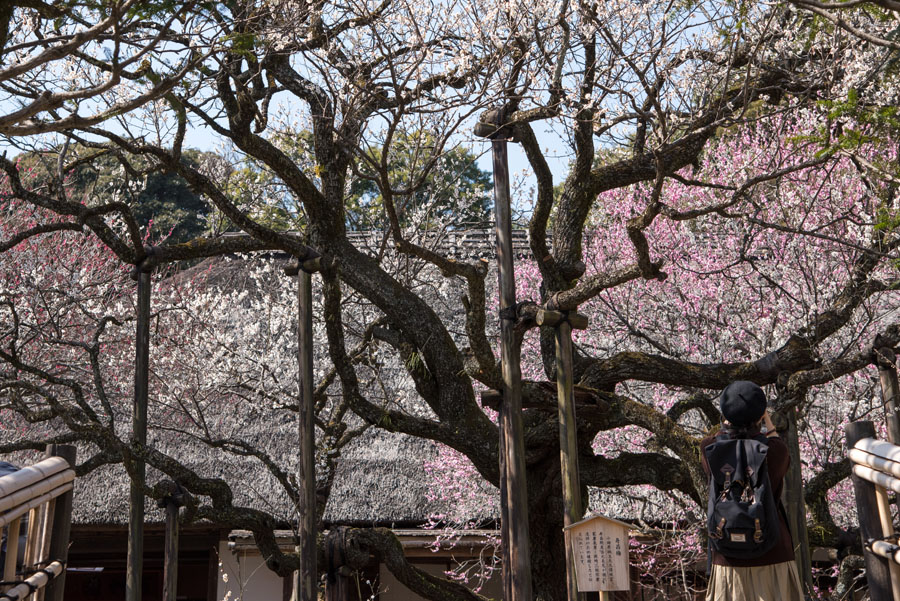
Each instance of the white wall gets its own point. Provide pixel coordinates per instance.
(245, 577)
(391, 590)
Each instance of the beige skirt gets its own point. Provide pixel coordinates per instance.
(776, 582)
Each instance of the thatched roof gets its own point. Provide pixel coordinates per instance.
(380, 479)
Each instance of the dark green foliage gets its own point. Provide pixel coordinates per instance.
(456, 192)
(156, 197)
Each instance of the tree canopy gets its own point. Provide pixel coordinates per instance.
(729, 213)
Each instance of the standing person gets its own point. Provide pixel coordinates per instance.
(772, 576)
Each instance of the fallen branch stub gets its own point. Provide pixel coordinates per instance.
(547, 317)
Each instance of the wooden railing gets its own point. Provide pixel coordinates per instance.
(876, 470)
(37, 498)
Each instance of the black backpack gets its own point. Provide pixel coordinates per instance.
(742, 516)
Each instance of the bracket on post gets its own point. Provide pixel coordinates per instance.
(145, 264)
(884, 357)
(174, 494)
(547, 317)
(493, 125)
(312, 264)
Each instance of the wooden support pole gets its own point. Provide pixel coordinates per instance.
(62, 526)
(12, 550)
(305, 588)
(887, 526)
(172, 501)
(337, 587)
(795, 504)
(170, 560)
(46, 531)
(516, 554)
(877, 571)
(47, 526)
(568, 445)
(135, 561)
(31, 538)
(887, 373)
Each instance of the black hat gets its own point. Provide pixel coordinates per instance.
(742, 403)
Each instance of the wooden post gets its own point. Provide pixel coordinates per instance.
(62, 526)
(135, 565)
(795, 505)
(170, 567)
(12, 549)
(887, 526)
(171, 502)
(877, 570)
(305, 579)
(47, 526)
(306, 506)
(337, 587)
(568, 432)
(887, 373)
(516, 558)
(32, 538)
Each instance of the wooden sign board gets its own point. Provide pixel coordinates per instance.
(599, 547)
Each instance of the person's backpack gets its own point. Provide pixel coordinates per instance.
(742, 515)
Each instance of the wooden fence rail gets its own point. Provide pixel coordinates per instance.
(876, 470)
(38, 498)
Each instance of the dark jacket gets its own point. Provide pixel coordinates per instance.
(778, 460)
